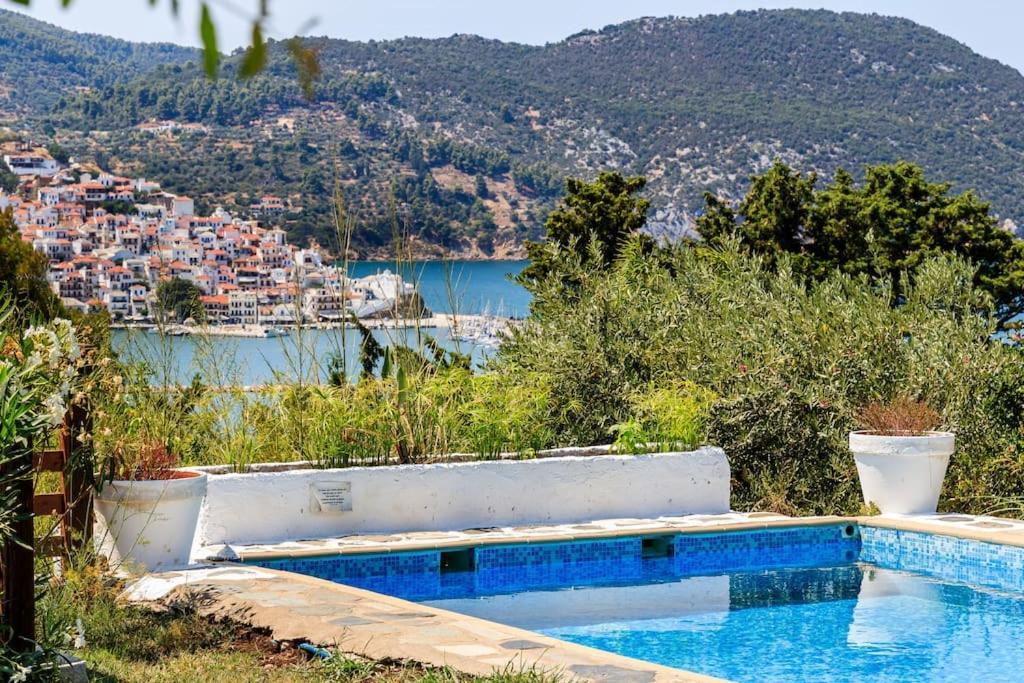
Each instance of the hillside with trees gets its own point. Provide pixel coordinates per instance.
(464, 142)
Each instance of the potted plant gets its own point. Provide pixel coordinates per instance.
(901, 458)
(149, 510)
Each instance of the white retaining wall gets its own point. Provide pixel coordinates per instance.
(270, 507)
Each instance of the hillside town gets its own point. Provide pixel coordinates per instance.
(111, 240)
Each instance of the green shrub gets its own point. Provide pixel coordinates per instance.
(505, 413)
(790, 363)
(666, 418)
(416, 412)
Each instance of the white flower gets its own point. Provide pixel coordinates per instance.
(21, 674)
(55, 409)
(66, 379)
(63, 327)
(33, 361)
(46, 344)
(65, 332)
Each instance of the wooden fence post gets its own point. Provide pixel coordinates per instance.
(77, 480)
(73, 507)
(19, 599)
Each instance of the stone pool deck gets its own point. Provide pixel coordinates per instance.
(361, 622)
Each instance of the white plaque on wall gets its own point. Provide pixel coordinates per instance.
(331, 496)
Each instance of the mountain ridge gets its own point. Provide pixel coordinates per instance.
(471, 136)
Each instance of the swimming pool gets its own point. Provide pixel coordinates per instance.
(833, 602)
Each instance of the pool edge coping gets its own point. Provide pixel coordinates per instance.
(654, 529)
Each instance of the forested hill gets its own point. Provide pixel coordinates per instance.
(39, 61)
(472, 137)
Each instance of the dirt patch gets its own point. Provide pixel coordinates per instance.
(504, 201)
(271, 653)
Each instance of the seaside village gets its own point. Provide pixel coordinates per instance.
(111, 240)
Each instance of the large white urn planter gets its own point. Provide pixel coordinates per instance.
(149, 525)
(902, 473)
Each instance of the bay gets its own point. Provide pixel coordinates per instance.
(476, 287)
(465, 287)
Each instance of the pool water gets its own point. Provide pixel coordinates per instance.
(830, 603)
(846, 623)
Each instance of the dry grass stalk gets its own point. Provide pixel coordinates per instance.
(903, 416)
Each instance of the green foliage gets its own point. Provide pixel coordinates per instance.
(130, 631)
(8, 180)
(594, 221)
(789, 361)
(23, 274)
(72, 59)
(59, 153)
(37, 374)
(667, 418)
(884, 228)
(208, 34)
(506, 413)
(179, 299)
(176, 643)
(774, 212)
(425, 405)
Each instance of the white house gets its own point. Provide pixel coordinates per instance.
(31, 163)
(243, 307)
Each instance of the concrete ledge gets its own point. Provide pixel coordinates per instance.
(271, 507)
(253, 468)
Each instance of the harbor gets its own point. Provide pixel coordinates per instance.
(468, 327)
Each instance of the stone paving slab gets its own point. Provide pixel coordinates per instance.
(377, 626)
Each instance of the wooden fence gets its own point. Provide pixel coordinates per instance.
(72, 508)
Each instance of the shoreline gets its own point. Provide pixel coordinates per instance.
(446, 321)
(438, 259)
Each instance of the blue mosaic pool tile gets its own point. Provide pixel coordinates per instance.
(947, 557)
(568, 553)
(805, 546)
(535, 566)
(415, 574)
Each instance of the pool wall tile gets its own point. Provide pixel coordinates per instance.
(569, 553)
(502, 569)
(947, 557)
(766, 549)
(415, 574)
(519, 567)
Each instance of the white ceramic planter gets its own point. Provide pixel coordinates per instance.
(902, 474)
(149, 525)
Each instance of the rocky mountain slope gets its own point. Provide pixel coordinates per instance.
(463, 141)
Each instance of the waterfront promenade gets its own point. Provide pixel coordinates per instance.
(455, 323)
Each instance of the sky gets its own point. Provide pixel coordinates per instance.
(990, 27)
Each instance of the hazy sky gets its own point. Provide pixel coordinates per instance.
(991, 27)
